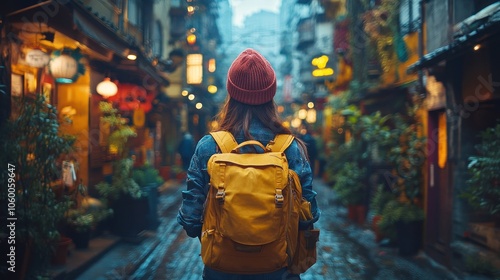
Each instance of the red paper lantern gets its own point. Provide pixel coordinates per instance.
(130, 97)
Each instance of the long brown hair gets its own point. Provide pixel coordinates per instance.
(235, 117)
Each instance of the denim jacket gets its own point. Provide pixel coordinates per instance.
(190, 213)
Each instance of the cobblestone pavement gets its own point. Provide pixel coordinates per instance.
(345, 251)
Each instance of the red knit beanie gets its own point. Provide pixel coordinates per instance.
(251, 79)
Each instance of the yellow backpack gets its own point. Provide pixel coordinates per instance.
(252, 211)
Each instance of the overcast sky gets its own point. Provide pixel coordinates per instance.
(243, 8)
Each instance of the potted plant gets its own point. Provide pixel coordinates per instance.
(355, 156)
(83, 216)
(378, 202)
(351, 190)
(31, 148)
(482, 189)
(405, 212)
(79, 226)
(121, 192)
(149, 179)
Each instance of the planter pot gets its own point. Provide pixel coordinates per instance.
(409, 237)
(378, 235)
(357, 213)
(351, 213)
(152, 217)
(165, 172)
(80, 238)
(361, 211)
(129, 215)
(61, 251)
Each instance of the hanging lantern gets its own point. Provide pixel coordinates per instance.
(65, 66)
(37, 58)
(107, 88)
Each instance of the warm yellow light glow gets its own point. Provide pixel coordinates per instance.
(191, 96)
(322, 72)
(311, 116)
(190, 9)
(63, 68)
(192, 30)
(132, 56)
(302, 114)
(296, 122)
(477, 47)
(211, 65)
(286, 124)
(281, 109)
(310, 105)
(212, 89)
(199, 105)
(194, 69)
(191, 39)
(106, 88)
(214, 124)
(184, 93)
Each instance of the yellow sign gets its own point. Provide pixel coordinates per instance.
(139, 117)
(322, 70)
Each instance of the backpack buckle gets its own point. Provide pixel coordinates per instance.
(220, 195)
(278, 198)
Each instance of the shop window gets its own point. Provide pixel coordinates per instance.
(409, 16)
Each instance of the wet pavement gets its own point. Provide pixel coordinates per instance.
(345, 251)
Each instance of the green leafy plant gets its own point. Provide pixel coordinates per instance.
(32, 146)
(347, 166)
(482, 266)
(121, 181)
(407, 157)
(380, 199)
(483, 186)
(146, 175)
(349, 186)
(79, 220)
(83, 216)
(120, 131)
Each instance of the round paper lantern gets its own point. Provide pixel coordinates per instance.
(63, 68)
(107, 88)
(37, 58)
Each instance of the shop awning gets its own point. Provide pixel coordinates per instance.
(92, 29)
(100, 32)
(487, 27)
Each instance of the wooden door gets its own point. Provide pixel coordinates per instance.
(439, 200)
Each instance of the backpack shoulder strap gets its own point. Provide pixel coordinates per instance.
(280, 142)
(224, 140)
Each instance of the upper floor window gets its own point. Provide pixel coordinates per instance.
(134, 12)
(409, 16)
(157, 40)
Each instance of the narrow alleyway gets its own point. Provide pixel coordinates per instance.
(345, 251)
